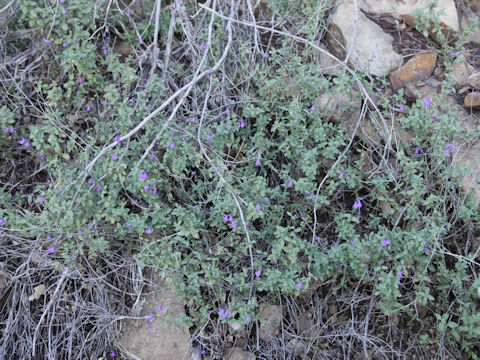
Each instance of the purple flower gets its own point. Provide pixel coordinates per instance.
(154, 190)
(312, 108)
(114, 157)
(258, 272)
(227, 218)
(247, 319)
(99, 188)
(112, 354)
(62, 1)
(357, 204)
(64, 11)
(341, 175)
(131, 100)
(65, 44)
(224, 313)
(266, 199)
(447, 153)
(46, 41)
(22, 141)
(208, 138)
(241, 125)
(41, 199)
(352, 242)
(80, 80)
(105, 52)
(426, 249)
(88, 108)
(437, 119)
(258, 207)
(152, 157)
(141, 42)
(171, 145)
(299, 285)
(386, 242)
(27, 144)
(227, 111)
(415, 72)
(234, 225)
(402, 108)
(117, 139)
(235, 275)
(92, 182)
(289, 183)
(42, 156)
(265, 56)
(148, 231)
(2, 221)
(128, 226)
(258, 162)
(400, 275)
(95, 46)
(145, 188)
(150, 317)
(159, 308)
(51, 250)
(427, 102)
(143, 175)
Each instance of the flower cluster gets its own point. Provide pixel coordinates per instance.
(224, 313)
(357, 204)
(449, 147)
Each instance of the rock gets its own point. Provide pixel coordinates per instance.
(372, 50)
(470, 157)
(239, 354)
(475, 5)
(270, 321)
(461, 72)
(474, 80)
(153, 341)
(401, 8)
(304, 324)
(472, 100)
(327, 64)
(419, 67)
(473, 21)
(122, 48)
(338, 106)
(297, 346)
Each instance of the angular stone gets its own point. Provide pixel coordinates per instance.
(152, 341)
(239, 354)
(470, 157)
(327, 64)
(474, 80)
(474, 34)
(372, 50)
(270, 321)
(399, 8)
(419, 67)
(472, 100)
(461, 71)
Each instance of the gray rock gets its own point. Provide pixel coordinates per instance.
(270, 321)
(474, 81)
(239, 354)
(408, 7)
(371, 50)
(461, 71)
(153, 341)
